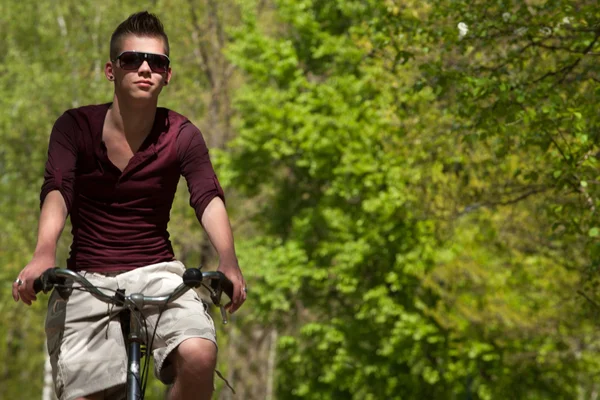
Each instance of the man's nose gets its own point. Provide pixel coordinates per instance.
(145, 67)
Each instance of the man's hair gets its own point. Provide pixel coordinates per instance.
(142, 24)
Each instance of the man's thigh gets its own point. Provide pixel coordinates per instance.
(185, 318)
(85, 343)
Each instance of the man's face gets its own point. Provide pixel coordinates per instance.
(143, 82)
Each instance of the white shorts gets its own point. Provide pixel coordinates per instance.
(85, 340)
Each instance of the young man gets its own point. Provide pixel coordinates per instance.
(114, 168)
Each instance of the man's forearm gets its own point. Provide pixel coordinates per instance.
(216, 224)
(52, 221)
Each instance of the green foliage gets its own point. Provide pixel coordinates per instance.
(403, 165)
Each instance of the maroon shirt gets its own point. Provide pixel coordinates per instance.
(119, 219)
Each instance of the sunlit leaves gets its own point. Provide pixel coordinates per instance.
(411, 167)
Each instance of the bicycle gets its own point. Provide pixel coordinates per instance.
(131, 314)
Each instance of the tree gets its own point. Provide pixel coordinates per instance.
(403, 236)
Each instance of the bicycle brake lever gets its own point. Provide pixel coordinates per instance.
(215, 296)
(223, 314)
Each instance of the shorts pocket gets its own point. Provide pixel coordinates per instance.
(55, 322)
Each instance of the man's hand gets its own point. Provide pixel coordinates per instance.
(233, 272)
(22, 287)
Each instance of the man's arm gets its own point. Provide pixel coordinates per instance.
(207, 199)
(216, 224)
(52, 221)
(56, 199)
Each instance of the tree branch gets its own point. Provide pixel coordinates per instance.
(585, 296)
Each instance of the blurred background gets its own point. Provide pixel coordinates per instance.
(413, 187)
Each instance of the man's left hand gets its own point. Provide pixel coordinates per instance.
(233, 272)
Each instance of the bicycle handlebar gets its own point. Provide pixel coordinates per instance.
(192, 277)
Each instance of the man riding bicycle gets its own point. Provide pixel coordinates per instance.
(114, 169)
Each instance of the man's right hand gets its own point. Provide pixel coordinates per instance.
(22, 287)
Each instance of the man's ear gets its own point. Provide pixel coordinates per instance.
(108, 71)
(168, 76)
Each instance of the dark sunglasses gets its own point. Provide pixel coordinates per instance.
(132, 60)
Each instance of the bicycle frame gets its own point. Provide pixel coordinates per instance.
(133, 343)
(134, 356)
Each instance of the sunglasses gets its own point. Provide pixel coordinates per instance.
(132, 60)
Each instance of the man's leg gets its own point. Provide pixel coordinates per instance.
(185, 349)
(194, 361)
(86, 343)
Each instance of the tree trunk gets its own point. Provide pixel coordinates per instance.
(271, 364)
(48, 391)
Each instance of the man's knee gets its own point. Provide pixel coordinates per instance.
(195, 356)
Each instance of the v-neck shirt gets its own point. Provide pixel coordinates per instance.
(119, 218)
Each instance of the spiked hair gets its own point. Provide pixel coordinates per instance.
(143, 24)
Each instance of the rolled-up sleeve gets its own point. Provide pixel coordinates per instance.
(62, 160)
(197, 169)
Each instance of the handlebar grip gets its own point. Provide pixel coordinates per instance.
(38, 285)
(47, 280)
(192, 277)
(225, 284)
